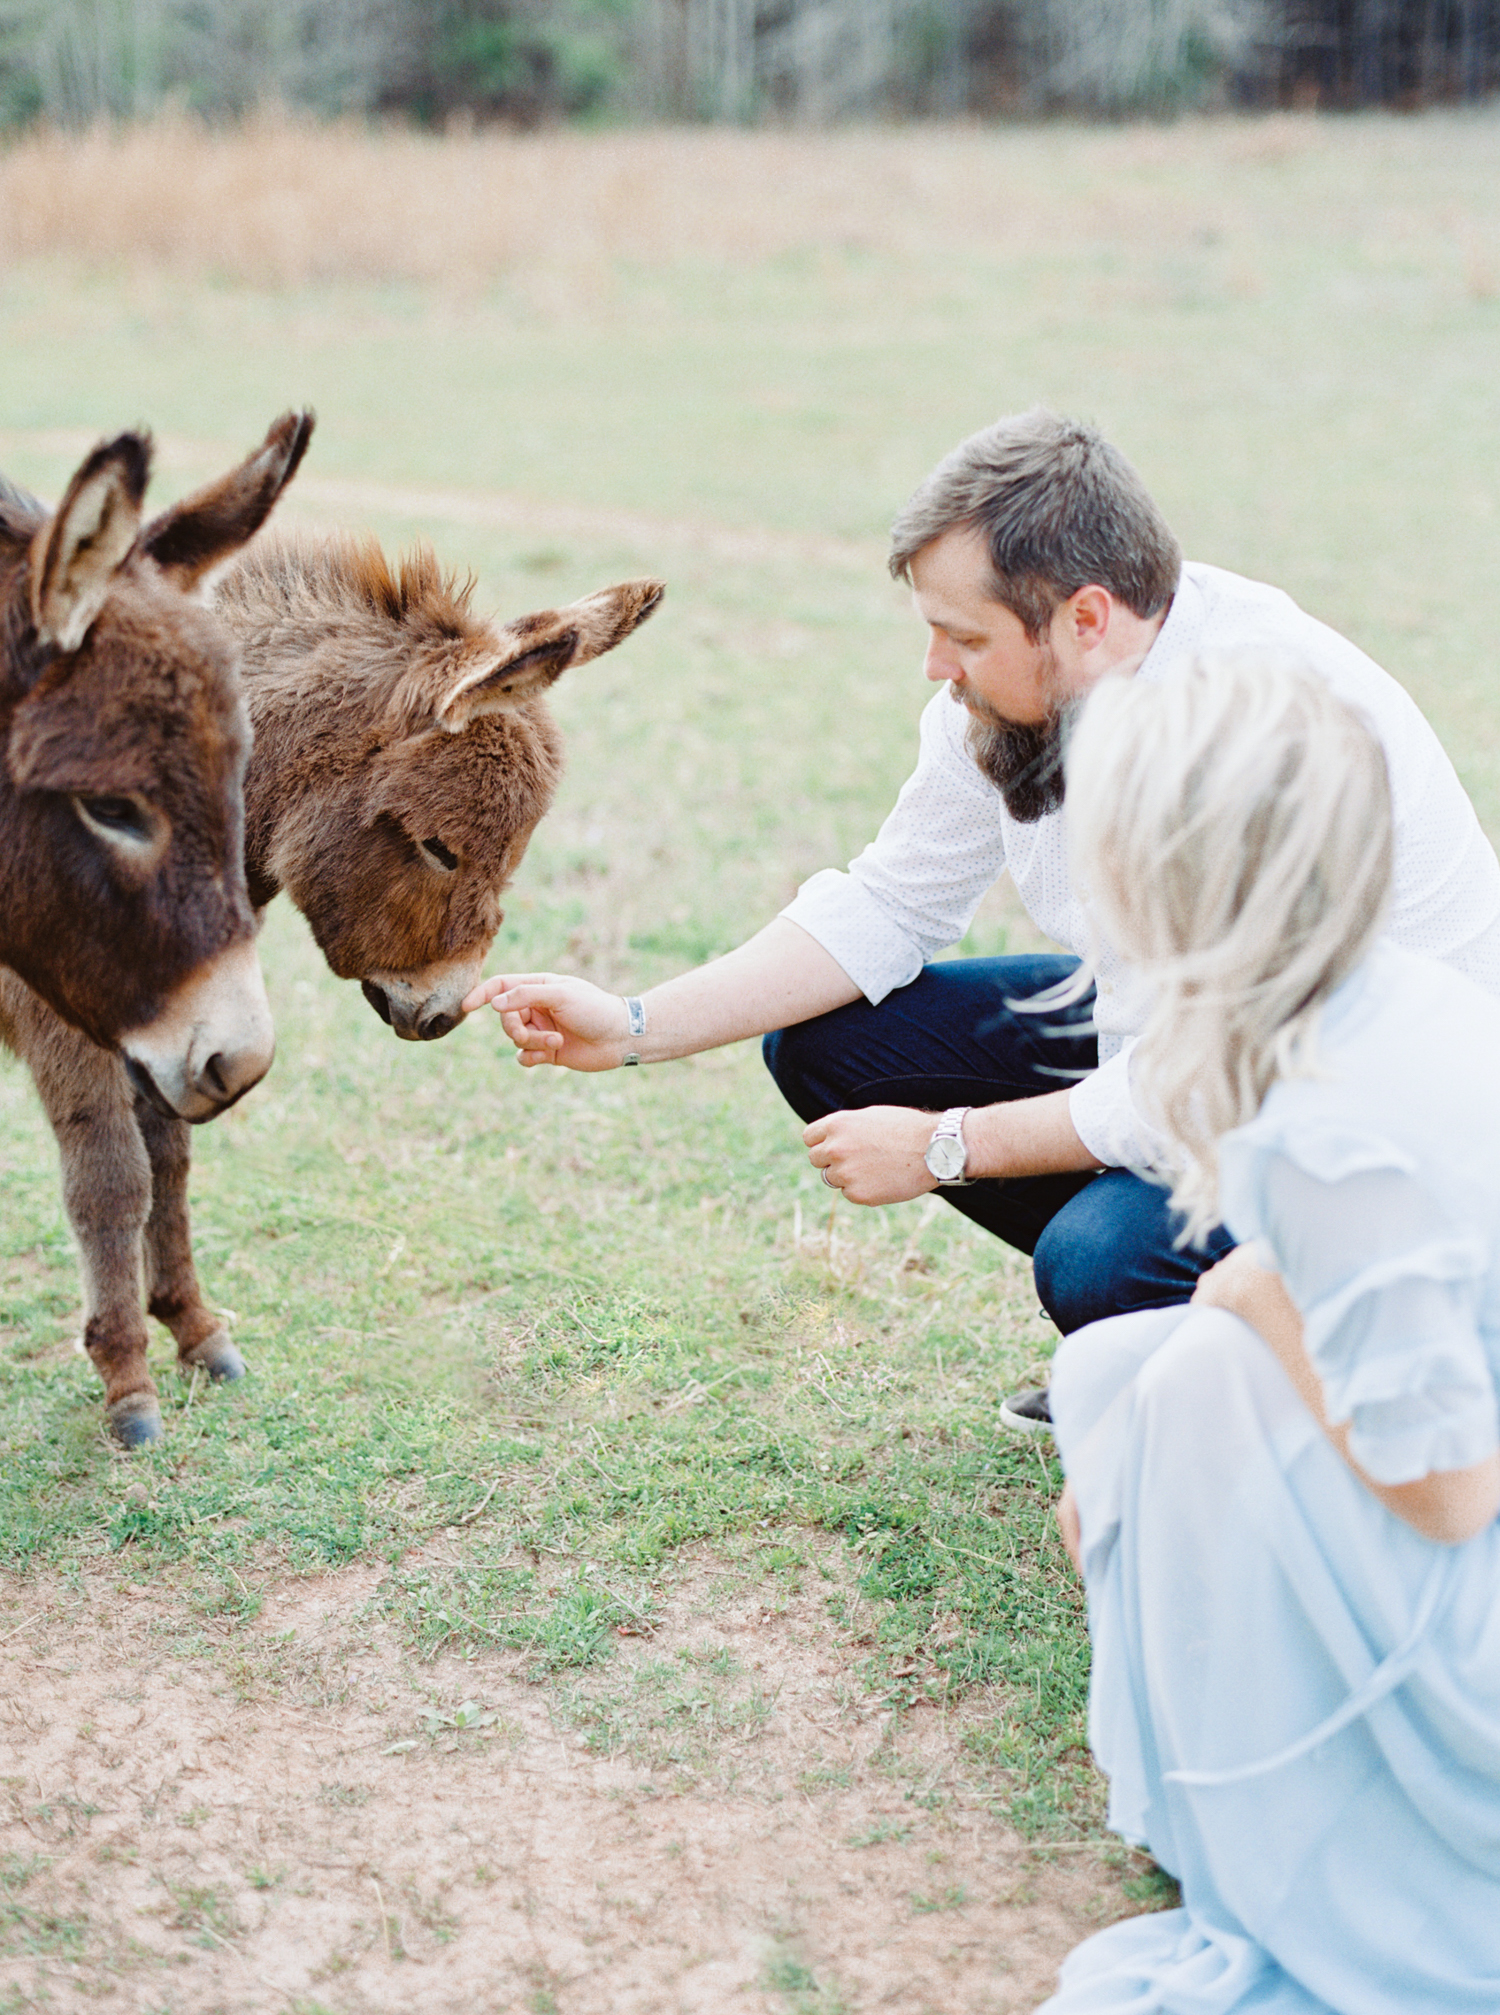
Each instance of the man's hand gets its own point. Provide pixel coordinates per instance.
(553, 1019)
(874, 1155)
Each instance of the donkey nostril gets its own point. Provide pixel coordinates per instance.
(214, 1078)
(376, 997)
(433, 1026)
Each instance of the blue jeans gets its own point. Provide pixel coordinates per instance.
(1100, 1244)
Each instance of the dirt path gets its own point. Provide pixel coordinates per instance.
(332, 499)
(290, 1814)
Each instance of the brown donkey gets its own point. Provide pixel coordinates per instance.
(403, 756)
(123, 739)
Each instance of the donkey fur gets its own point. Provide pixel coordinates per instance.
(124, 911)
(116, 685)
(394, 730)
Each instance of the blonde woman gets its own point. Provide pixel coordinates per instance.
(1283, 1498)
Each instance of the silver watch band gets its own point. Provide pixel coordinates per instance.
(635, 1015)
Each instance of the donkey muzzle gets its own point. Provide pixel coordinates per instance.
(421, 1006)
(211, 1043)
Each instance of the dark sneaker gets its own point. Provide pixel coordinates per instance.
(1027, 1412)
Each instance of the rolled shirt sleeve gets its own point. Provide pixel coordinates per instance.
(1108, 1121)
(853, 927)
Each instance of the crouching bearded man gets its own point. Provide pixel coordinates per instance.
(1039, 564)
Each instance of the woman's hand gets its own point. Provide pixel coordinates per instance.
(873, 1154)
(1449, 1506)
(1241, 1286)
(1246, 1288)
(554, 1019)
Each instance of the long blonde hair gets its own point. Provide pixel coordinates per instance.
(1231, 832)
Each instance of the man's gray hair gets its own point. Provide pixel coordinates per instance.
(1059, 509)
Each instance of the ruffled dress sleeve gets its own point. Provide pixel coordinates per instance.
(1390, 1286)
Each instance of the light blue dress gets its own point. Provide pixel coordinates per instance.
(1295, 1697)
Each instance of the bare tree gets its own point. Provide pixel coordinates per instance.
(92, 59)
(1133, 55)
(1371, 52)
(86, 59)
(811, 60)
(327, 55)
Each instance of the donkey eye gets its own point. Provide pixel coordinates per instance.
(121, 821)
(438, 856)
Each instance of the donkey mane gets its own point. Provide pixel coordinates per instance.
(342, 572)
(20, 512)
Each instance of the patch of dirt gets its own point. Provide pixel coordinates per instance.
(315, 496)
(296, 1814)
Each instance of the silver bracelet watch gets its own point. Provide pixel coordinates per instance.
(635, 1016)
(947, 1157)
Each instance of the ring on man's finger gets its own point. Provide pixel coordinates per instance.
(828, 1179)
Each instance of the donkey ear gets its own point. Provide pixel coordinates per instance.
(536, 650)
(210, 526)
(607, 618)
(77, 553)
(492, 681)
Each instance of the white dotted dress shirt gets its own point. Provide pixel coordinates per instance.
(914, 890)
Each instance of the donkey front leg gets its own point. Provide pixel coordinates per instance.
(107, 1193)
(173, 1294)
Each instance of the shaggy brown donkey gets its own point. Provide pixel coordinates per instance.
(403, 756)
(123, 738)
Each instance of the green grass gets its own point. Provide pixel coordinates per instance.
(798, 1985)
(579, 1324)
(31, 1931)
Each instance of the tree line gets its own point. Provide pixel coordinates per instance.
(75, 61)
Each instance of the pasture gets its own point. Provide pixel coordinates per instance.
(612, 1588)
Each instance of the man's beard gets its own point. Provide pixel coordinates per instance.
(1023, 760)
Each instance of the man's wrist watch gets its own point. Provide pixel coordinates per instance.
(946, 1156)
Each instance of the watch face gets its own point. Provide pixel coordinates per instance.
(945, 1158)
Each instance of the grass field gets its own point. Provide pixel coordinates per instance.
(579, 1331)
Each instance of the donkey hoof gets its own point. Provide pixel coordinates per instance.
(217, 1356)
(136, 1420)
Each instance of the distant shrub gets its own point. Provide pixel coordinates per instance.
(495, 59)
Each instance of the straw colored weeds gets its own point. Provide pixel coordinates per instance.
(283, 203)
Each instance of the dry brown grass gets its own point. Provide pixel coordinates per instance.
(282, 203)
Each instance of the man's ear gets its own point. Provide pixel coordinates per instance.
(1088, 612)
(209, 527)
(77, 553)
(532, 653)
